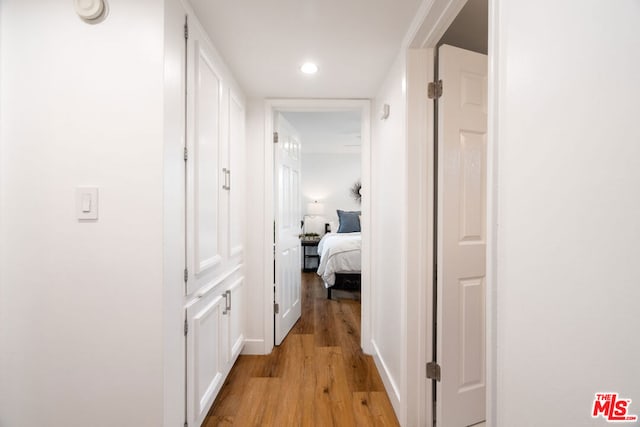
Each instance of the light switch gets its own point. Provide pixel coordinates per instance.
(87, 203)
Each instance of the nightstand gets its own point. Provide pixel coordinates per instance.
(310, 256)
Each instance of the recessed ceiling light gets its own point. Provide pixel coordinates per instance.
(309, 68)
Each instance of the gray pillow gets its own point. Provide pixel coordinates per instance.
(349, 221)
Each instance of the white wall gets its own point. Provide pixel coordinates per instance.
(567, 208)
(328, 178)
(81, 303)
(388, 214)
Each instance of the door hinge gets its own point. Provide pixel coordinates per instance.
(186, 154)
(275, 137)
(435, 90)
(186, 275)
(433, 371)
(186, 327)
(186, 28)
(276, 308)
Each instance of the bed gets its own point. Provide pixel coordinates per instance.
(340, 261)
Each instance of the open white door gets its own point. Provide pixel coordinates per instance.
(462, 139)
(287, 227)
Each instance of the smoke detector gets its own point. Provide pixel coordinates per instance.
(89, 10)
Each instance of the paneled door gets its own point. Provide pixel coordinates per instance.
(236, 176)
(287, 228)
(236, 303)
(206, 353)
(461, 251)
(205, 175)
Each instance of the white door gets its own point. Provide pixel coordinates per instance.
(287, 228)
(205, 174)
(462, 139)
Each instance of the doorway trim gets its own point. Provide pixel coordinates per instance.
(318, 105)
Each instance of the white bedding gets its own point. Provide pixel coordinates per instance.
(339, 253)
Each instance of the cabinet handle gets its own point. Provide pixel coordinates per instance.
(225, 186)
(229, 181)
(227, 302)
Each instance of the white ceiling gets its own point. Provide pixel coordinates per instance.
(327, 132)
(264, 42)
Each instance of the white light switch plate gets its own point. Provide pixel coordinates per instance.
(87, 202)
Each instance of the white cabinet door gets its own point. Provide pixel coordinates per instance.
(236, 319)
(206, 353)
(205, 175)
(462, 157)
(236, 175)
(215, 339)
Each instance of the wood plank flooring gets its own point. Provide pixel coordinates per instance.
(317, 377)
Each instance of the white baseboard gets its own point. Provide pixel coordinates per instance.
(367, 347)
(389, 384)
(253, 346)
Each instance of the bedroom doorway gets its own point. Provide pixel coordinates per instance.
(319, 165)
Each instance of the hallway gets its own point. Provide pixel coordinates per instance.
(317, 377)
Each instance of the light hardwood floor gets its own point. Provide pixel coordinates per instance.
(317, 377)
